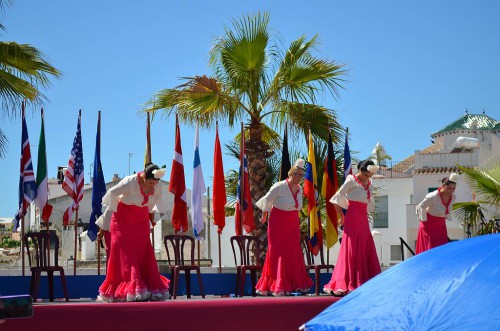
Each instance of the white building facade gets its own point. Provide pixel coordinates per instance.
(470, 141)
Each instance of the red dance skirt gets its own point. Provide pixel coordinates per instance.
(358, 261)
(284, 269)
(431, 233)
(132, 269)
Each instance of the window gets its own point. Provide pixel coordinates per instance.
(380, 216)
(431, 189)
(396, 253)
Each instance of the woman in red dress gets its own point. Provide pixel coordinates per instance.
(433, 212)
(358, 261)
(284, 268)
(132, 273)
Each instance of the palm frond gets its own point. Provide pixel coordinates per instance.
(23, 72)
(486, 182)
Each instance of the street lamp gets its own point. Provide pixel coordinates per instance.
(129, 157)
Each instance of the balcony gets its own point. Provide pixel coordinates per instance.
(438, 160)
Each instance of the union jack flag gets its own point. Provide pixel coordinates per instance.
(27, 183)
(73, 176)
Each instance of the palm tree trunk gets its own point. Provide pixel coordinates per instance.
(258, 151)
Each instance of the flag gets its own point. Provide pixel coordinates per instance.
(42, 178)
(73, 176)
(328, 189)
(311, 194)
(285, 157)
(98, 185)
(177, 185)
(244, 207)
(219, 186)
(347, 157)
(27, 184)
(198, 189)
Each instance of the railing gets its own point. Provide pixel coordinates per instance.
(446, 159)
(404, 244)
(395, 169)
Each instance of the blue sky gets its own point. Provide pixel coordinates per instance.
(414, 67)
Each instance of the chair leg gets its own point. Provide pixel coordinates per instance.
(172, 283)
(50, 279)
(238, 276)
(36, 285)
(63, 283)
(176, 282)
(187, 275)
(242, 282)
(32, 284)
(253, 275)
(200, 283)
(316, 285)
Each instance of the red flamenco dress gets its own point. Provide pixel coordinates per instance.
(284, 269)
(432, 230)
(357, 261)
(132, 273)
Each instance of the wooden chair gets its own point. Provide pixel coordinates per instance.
(246, 246)
(311, 265)
(44, 259)
(178, 262)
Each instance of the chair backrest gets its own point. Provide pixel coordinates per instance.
(178, 243)
(308, 254)
(42, 255)
(245, 247)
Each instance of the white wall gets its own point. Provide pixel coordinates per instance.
(399, 191)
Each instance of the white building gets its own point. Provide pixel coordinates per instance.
(469, 141)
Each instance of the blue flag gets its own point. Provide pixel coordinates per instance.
(347, 158)
(98, 187)
(198, 189)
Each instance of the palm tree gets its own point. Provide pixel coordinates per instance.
(255, 82)
(379, 155)
(486, 183)
(23, 72)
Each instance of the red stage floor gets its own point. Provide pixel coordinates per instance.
(260, 313)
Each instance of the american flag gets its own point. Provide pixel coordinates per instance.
(73, 177)
(27, 184)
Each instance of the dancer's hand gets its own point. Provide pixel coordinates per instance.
(264, 217)
(341, 221)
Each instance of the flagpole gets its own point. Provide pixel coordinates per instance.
(76, 241)
(98, 257)
(148, 159)
(22, 245)
(22, 219)
(97, 165)
(220, 255)
(242, 177)
(75, 251)
(209, 248)
(40, 211)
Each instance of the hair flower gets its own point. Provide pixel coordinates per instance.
(158, 173)
(300, 163)
(373, 168)
(453, 177)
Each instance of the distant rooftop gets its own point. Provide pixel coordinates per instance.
(470, 122)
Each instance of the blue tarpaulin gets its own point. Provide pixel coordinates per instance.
(452, 287)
